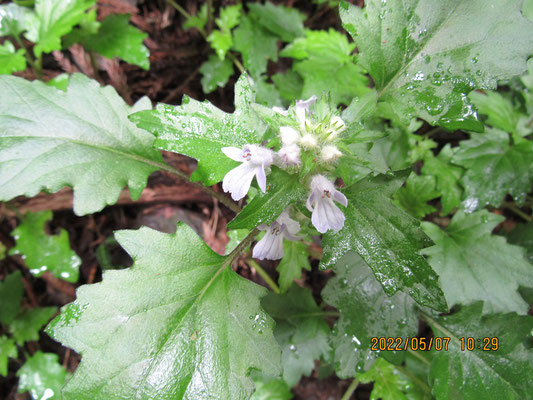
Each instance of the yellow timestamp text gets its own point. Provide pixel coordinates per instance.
(432, 343)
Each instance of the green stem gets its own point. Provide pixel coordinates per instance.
(414, 378)
(247, 241)
(183, 12)
(512, 207)
(29, 57)
(350, 389)
(270, 282)
(236, 61)
(417, 354)
(231, 257)
(317, 314)
(209, 16)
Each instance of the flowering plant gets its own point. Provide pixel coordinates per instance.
(337, 185)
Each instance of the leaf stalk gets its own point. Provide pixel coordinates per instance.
(270, 282)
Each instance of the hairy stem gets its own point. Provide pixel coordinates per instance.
(350, 389)
(231, 257)
(264, 275)
(242, 245)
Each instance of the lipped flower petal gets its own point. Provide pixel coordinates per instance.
(270, 247)
(302, 108)
(326, 214)
(238, 180)
(341, 198)
(234, 153)
(261, 178)
(255, 160)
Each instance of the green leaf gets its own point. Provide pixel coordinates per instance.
(200, 130)
(499, 110)
(366, 312)
(60, 81)
(282, 190)
(199, 20)
(229, 17)
(289, 84)
(300, 330)
(52, 20)
(494, 168)
(285, 22)
(290, 267)
(235, 237)
(475, 265)
(256, 44)
(390, 383)
(426, 59)
(522, 235)
(413, 197)
(43, 376)
(11, 291)
(221, 42)
(387, 238)
(13, 19)
(183, 325)
(42, 252)
(27, 324)
(266, 93)
(479, 374)
(326, 64)
(8, 349)
(11, 60)
(267, 388)
(215, 73)
(447, 177)
(80, 138)
(360, 160)
(527, 9)
(117, 38)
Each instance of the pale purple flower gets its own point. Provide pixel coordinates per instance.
(270, 247)
(326, 215)
(254, 161)
(302, 109)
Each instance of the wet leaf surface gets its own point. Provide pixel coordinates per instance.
(183, 325)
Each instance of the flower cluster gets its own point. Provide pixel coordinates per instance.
(315, 138)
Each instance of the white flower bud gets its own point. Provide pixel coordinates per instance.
(308, 141)
(289, 135)
(290, 155)
(330, 153)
